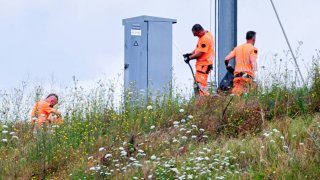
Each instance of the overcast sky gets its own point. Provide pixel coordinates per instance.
(45, 39)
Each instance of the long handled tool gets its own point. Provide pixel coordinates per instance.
(195, 82)
(197, 87)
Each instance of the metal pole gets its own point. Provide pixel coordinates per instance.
(285, 35)
(227, 33)
(215, 42)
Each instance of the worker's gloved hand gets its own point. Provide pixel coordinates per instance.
(187, 57)
(230, 68)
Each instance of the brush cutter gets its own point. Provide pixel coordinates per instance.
(196, 85)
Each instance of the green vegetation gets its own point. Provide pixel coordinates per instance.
(272, 133)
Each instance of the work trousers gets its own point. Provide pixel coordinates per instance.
(241, 85)
(202, 74)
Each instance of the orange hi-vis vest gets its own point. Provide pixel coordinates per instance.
(42, 108)
(206, 46)
(246, 57)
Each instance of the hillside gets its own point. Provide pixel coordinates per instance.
(266, 134)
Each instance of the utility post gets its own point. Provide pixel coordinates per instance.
(227, 33)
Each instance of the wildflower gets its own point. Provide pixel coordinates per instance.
(242, 152)
(135, 178)
(190, 176)
(102, 149)
(95, 168)
(272, 141)
(5, 126)
(174, 140)
(175, 170)
(182, 129)
(149, 107)
(285, 147)
(183, 120)
(301, 144)
(193, 137)
(205, 136)
(4, 140)
(150, 177)
(124, 143)
(121, 148)
(181, 110)
(176, 123)
(107, 156)
(266, 134)
(275, 130)
(153, 157)
(123, 153)
(90, 157)
(202, 130)
(4, 132)
(184, 138)
(194, 126)
(55, 126)
(262, 147)
(220, 177)
(140, 151)
(176, 126)
(152, 127)
(15, 137)
(281, 137)
(294, 135)
(188, 132)
(190, 117)
(228, 152)
(132, 159)
(12, 133)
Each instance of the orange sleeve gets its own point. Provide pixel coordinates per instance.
(34, 110)
(253, 58)
(231, 55)
(48, 109)
(203, 45)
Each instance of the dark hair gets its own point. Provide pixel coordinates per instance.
(197, 28)
(250, 35)
(52, 94)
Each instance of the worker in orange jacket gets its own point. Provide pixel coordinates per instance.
(246, 64)
(44, 112)
(204, 54)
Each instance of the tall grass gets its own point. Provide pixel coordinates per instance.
(270, 133)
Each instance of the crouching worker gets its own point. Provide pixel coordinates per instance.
(44, 112)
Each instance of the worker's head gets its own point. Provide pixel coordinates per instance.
(52, 99)
(251, 37)
(198, 30)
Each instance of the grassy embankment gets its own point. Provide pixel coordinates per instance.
(272, 133)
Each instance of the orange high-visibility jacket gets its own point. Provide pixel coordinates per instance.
(246, 58)
(206, 45)
(42, 107)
